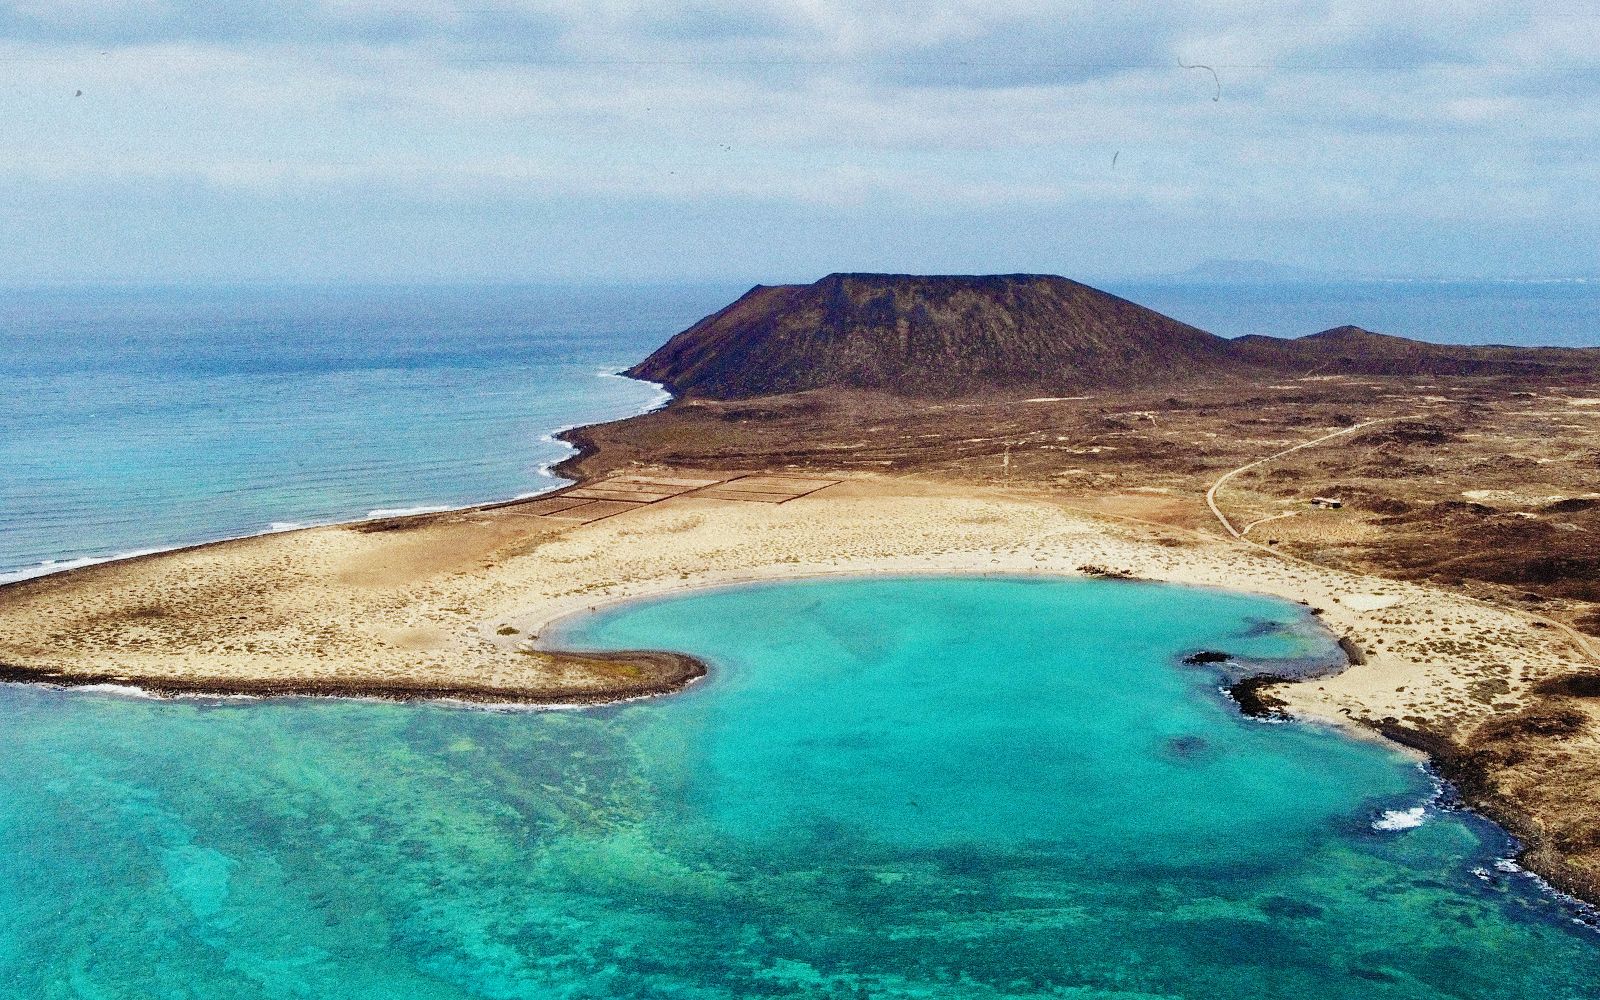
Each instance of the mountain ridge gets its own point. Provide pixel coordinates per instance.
(1354, 350)
(955, 335)
(935, 335)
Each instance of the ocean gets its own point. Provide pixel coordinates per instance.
(896, 787)
(1553, 313)
(914, 788)
(143, 418)
(140, 418)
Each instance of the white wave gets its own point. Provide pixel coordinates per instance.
(662, 396)
(62, 565)
(1401, 819)
(119, 690)
(405, 511)
(145, 694)
(551, 436)
(49, 566)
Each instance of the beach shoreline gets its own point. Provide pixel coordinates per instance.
(549, 470)
(452, 606)
(675, 673)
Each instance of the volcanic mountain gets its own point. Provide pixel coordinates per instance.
(1352, 350)
(931, 336)
(1019, 334)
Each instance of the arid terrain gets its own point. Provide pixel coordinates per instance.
(1443, 515)
(1492, 486)
(1484, 491)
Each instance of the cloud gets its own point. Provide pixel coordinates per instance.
(1418, 116)
(703, 23)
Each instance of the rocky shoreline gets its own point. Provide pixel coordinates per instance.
(1470, 775)
(662, 673)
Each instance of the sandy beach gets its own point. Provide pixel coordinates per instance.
(453, 605)
(457, 600)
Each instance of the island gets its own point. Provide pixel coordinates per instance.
(1436, 505)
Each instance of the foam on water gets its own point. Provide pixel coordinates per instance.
(405, 511)
(1401, 819)
(922, 787)
(49, 566)
(136, 420)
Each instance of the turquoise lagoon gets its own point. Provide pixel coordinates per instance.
(919, 787)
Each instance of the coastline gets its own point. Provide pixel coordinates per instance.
(665, 673)
(451, 606)
(55, 568)
(549, 470)
(1193, 561)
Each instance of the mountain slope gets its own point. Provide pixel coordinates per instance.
(1350, 349)
(931, 336)
(1021, 334)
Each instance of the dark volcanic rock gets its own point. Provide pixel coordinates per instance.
(1254, 700)
(932, 336)
(1572, 506)
(1352, 350)
(955, 335)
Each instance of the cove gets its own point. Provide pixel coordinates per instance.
(911, 787)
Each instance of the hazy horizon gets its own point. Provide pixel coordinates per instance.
(1563, 313)
(1191, 276)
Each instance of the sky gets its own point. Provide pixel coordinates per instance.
(516, 140)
